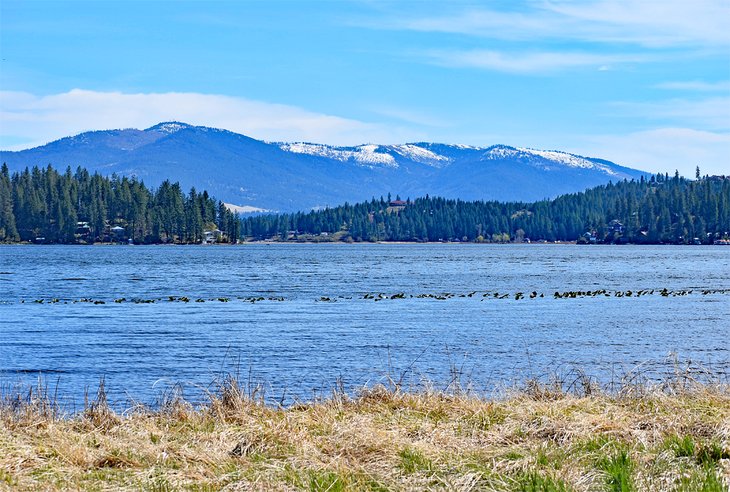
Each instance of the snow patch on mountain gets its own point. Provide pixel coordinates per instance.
(568, 159)
(245, 209)
(500, 152)
(419, 154)
(169, 127)
(464, 147)
(367, 155)
(552, 156)
(370, 155)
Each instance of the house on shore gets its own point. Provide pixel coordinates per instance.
(213, 236)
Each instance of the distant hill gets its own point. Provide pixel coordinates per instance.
(285, 177)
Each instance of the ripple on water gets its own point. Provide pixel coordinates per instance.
(298, 344)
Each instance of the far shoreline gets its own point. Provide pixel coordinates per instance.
(347, 243)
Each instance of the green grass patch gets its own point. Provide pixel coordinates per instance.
(535, 482)
(413, 461)
(550, 457)
(326, 481)
(619, 470)
(203, 487)
(159, 482)
(7, 478)
(681, 446)
(485, 420)
(331, 481)
(705, 480)
(512, 456)
(705, 453)
(599, 444)
(710, 453)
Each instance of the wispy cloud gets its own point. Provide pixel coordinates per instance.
(710, 113)
(35, 120)
(572, 34)
(532, 62)
(696, 85)
(411, 116)
(664, 150)
(647, 23)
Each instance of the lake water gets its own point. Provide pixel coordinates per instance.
(319, 321)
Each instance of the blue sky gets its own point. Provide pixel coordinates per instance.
(643, 83)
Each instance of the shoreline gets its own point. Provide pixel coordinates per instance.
(404, 243)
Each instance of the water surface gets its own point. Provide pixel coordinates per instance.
(318, 323)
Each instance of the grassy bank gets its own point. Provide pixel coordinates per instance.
(674, 437)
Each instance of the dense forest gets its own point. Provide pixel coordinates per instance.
(42, 205)
(661, 209)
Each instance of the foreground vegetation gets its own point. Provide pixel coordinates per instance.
(540, 438)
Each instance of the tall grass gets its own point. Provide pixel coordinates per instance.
(561, 433)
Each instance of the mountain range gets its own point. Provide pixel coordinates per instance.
(253, 175)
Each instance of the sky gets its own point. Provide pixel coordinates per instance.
(643, 83)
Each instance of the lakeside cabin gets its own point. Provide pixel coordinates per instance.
(212, 236)
(615, 227)
(83, 231)
(118, 234)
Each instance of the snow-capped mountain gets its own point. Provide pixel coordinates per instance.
(370, 155)
(548, 159)
(256, 175)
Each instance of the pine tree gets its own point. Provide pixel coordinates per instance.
(8, 229)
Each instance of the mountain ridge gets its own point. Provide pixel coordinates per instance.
(290, 176)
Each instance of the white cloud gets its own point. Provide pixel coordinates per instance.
(696, 85)
(709, 113)
(536, 62)
(663, 150)
(35, 120)
(419, 118)
(664, 23)
(649, 23)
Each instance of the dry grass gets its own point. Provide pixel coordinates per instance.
(675, 437)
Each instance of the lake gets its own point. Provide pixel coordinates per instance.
(300, 318)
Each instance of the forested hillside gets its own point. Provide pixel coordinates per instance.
(41, 205)
(658, 210)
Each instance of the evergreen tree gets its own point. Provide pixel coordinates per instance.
(81, 207)
(8, 229)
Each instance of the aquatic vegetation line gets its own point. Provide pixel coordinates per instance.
(383, 296)
(540, 436)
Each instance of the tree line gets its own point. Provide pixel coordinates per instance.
(42, 205)
(660, 209)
